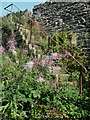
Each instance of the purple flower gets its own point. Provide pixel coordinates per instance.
(53, 84)
(47, 61)
(11, 44)
(25, 51)
(50, 69)
(2, 49)
(36, 62)
(41, 75)
(56, 56)
(67, 53)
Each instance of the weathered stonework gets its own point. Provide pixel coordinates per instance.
(60, 16)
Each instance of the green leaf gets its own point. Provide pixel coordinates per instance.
(36, 94)
(5, 107)
(22, 98)
(30, 100)
(23, 114)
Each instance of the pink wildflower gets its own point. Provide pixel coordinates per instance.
(53, 84)
(67, 53)
(11, 44)
(56, 56)
(36, 62)
(41, 78)
(25, 51)
(41, 75)
(2, 49)
(47, 61)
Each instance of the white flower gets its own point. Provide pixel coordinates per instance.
(50, 69)
(56, 70)
(30, 46)
(43, 63)
(40, 79)
(29, 65)
(14, 52)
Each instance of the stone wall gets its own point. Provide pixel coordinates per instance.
(60, 16)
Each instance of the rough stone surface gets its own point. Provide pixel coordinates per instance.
(60, 16)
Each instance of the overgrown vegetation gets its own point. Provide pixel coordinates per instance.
(43, 82)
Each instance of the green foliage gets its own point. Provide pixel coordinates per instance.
(74, 76)
(24, 97)
(71, 103)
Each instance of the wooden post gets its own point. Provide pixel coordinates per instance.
(80, 81)
(48, 44)
(30, 33)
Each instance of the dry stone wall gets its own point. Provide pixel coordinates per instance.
(60, 16)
